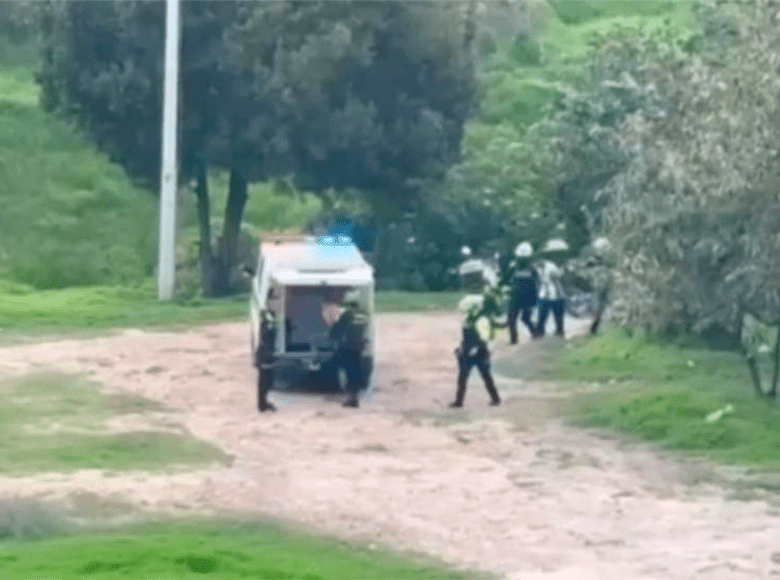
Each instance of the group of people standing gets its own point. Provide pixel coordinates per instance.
(537, 283)
(531, 281)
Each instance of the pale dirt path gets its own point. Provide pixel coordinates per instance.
(527, 498)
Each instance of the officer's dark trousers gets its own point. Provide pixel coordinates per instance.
(514, 312)
(558, 307)
(481, 360)
(350, 361)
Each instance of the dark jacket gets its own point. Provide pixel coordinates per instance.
(349, 332)
(523, 286)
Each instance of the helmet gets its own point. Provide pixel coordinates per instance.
(465, 251)
(352, 298)
(556, 245)
(490, 274)
(471, 267)
(601, 244)
(524, 250)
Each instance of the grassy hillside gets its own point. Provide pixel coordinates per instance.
(67, 216)
(525, 71)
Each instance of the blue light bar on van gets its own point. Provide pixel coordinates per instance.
(335, 240)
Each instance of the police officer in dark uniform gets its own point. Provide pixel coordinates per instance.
(265, 362)
(523, 291)
(349, 336)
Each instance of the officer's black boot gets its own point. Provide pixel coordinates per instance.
(264, 381)
(484, 370)
(463, 373)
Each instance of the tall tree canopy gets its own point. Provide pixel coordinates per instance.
(366, 96)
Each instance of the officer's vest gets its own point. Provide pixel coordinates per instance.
(352, 331)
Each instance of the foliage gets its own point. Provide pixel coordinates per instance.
(543, 143)
(694, 214)
(209, 549)
(660, 392)
(22, 519)
(52, 423)
(270, 89)
(18, 22)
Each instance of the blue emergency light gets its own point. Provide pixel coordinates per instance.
(335, 241)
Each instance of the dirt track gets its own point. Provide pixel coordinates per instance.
(507, 489)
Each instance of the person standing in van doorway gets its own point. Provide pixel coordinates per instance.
(349, 335)
(265, 361)
(523, 291)
(551, 293)
(476, 331)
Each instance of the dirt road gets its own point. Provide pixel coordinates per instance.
(509, 490)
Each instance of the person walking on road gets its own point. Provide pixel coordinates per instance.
(476, 332)
(523, 291)
(551, 293)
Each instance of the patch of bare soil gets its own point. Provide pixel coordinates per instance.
(510, 489)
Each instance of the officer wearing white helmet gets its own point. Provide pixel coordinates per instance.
(551, 293)
(477, 330)
(523, 285)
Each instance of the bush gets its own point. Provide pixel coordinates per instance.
(25, 519)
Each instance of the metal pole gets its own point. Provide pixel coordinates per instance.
(168, 174)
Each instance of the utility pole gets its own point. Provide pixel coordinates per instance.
(169, 171)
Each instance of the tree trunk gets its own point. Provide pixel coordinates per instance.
(205, 253)
(755, 377)
(228, 244)
(772, 394)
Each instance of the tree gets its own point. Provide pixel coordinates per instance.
(695, 215)
(364, 96)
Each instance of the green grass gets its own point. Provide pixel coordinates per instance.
(100, 308)
(53, 423)
(221, 551)
(399, 301)
(16, 86)
(570, 41)
(25, 312)
(580, 11)
(662, 393)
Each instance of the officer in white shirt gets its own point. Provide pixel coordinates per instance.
(477, 330)
(551, 293)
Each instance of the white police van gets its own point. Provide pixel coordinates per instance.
(297, 278)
